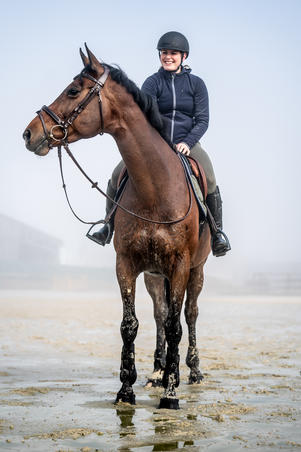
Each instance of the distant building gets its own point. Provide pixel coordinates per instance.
(22, 245)
(30, 260)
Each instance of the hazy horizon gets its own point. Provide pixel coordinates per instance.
(248, 54)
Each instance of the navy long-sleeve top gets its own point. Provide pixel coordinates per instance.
(182, 99)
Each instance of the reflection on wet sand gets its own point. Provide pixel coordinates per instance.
(161, 425)
(59, 377)
(126, 421)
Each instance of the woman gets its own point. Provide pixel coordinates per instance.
(183, 100)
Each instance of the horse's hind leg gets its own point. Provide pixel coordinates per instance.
(156, 289)
(173, 330)
(129, 327)
(194, 287)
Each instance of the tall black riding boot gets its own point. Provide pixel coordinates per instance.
(219, 241)
(104, 235)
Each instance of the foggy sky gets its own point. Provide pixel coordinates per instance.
(248, 54)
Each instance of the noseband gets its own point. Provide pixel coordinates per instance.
(63, 125)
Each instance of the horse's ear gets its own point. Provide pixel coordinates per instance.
(93, 61)
(85, 60)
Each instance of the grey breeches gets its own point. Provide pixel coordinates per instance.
(197, 152)
(201, 156)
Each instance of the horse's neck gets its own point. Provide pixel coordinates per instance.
(147, 157)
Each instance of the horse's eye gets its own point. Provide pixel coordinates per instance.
(73, 92)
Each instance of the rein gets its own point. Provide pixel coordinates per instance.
(95, 185)
(59, 142)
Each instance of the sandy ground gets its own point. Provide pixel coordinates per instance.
(59, 374)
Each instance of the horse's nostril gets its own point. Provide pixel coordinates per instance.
(27, 135)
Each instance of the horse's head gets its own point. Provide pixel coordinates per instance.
(77, 113)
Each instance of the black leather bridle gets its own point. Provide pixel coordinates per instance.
(64, 124)
(63, 141)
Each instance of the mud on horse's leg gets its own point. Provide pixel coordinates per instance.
(128, 329)
(156, 289)
(173, 331)
(194, 287)
(171, 377)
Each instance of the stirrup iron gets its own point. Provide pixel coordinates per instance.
(90, 236)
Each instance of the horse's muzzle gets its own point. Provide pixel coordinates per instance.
(26, 136)
(38, 145)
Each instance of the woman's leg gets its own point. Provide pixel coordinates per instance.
(115, 175)
(104, 235)
(219, 242)
(201, 156)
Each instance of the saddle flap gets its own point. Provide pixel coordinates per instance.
(199, 173)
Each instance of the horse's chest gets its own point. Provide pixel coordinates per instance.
(151, 247)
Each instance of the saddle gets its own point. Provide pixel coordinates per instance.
(199, 173)
(195, 175)
(197, 179)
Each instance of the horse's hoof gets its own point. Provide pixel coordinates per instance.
(170, 404)
(126, 397)
(153, 383)
(195, 378)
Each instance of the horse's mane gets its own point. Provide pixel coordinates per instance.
(146, 102)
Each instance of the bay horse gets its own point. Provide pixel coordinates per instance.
(169, 249)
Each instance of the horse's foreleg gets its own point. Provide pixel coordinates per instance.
(128, 329)
(155, 287)
(173, 332)
(194, 287)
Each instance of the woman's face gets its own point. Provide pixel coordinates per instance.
(171, 59)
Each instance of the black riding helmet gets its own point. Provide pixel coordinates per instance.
(173, 40)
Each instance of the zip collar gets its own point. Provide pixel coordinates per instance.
(168, 74)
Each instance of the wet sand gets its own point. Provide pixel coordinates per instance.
(59, 374)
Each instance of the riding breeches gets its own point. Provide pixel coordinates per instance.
(197, 152)
(201, 156)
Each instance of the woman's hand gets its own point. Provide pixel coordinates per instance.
(183, 148)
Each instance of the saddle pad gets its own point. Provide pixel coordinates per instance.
(199, 173)
(198, 194)
(197, 185)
